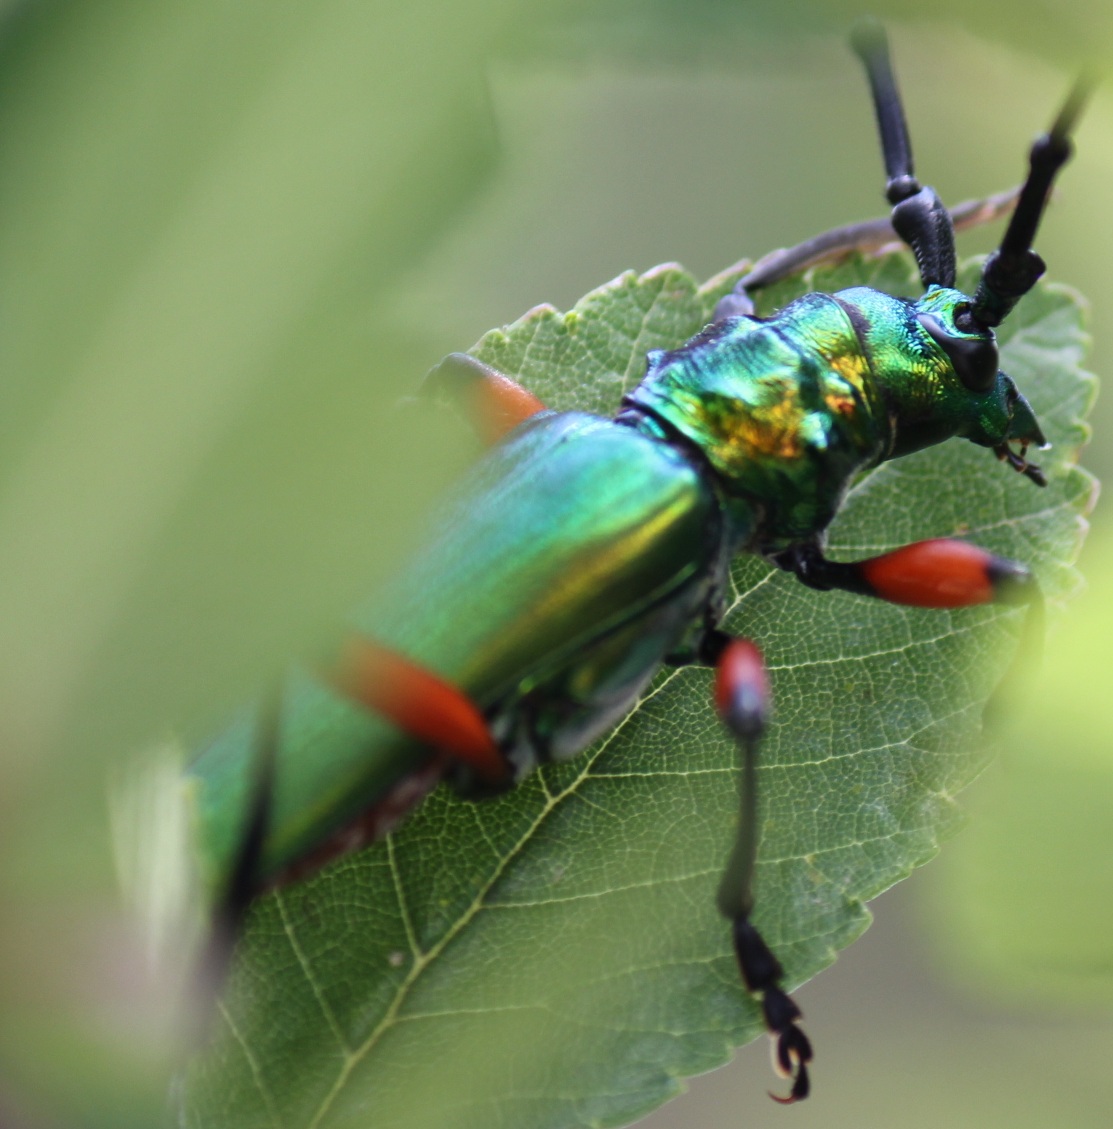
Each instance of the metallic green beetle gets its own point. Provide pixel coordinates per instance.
(582, 553)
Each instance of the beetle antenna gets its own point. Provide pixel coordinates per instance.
(871, 44)
(1014, 268)
(919, 216)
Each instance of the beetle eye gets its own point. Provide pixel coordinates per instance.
(965, 322)
(973, 359)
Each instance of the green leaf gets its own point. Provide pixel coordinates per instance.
(554, 958)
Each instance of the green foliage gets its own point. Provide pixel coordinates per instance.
(554, 958)
(1023, 906)
(202, 209)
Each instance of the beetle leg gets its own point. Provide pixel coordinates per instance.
(742, 701)
(243, 882)
(428, 708)
(421, 704)
(409, 695)
(493, 403)
(940, 573)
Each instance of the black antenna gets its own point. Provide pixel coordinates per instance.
(919, 216)
(871, 45)
(1014, 268)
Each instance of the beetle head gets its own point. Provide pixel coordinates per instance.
(998, 416)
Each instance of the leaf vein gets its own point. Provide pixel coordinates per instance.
(423, 960)
(252, 1065)
(303, 962)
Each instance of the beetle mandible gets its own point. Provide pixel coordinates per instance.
(583, 553)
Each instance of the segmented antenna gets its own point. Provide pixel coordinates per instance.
(919, 216)
(871, 45)
(1014, 268)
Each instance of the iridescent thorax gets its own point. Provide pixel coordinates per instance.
(788, 409)
(784, 409)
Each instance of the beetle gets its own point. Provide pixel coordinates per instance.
(582, 553)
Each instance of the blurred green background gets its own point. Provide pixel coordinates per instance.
(232, 234)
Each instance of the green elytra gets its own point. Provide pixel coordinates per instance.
(582, 553)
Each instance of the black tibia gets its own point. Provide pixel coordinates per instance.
(243, 884)
(919, 216)
(1014, 268)
(808, 564)
(742, 701)
(939, 574)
